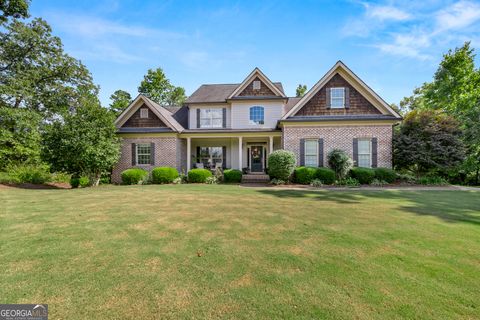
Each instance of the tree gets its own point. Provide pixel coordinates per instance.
(13, 8)
(35, 73)
(157, 87)
(301, 90)
(120, 101)
(428, 141)
(84, 142)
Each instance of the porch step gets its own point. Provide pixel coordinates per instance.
(255, 178)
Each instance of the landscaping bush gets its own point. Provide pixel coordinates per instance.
(277, 182)
(84, 182)
(60, 177)
(340, 162)
(134, 176)
(317, 183)
(432, 180)
(378, 183)
(363, 175)
(348, 182)
(36, 174)
(74, 182)
(212, 180)
(232, 175)
(385, 174)
(7, 178)
(326, 175)
(198, 175)
(164, 175)
(304, 175)
(281, 164)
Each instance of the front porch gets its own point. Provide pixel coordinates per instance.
(247, 152)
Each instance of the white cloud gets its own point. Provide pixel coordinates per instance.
(460, 15)
(386, 13)
(407, 45)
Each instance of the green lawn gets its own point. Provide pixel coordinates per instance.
(203, 251)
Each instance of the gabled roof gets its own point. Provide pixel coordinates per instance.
(257, 73)
(160, 112)
(353, 80)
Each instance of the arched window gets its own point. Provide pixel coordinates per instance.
(257, 115)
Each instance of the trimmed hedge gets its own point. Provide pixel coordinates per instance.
(326, 175)
(134, 176)
(164, 175)
(363, 175)
(304, 175)
(281, 164)
(385, 174)
(198, 175)
(232, 175)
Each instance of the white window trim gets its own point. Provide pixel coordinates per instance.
(137, 154)
(253, 123)
(331, 98)
(305, 152)
(369, 154)
(257, 84)
(144, 113)
(211, 118)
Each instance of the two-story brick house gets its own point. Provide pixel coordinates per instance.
(238, 125)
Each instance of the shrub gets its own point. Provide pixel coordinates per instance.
(5, 177)
(340, 162)
(385, 174)
(349, 182)
(134, 176)
(432, 180)
(326, 175)
(317, 183)
(407, 178)
(36, 174)
(277, 181)
(304, 175)
(363, 175)
(164, 175)
(198, 175)
(74, 182)
(211, 180)
(281, 164)
(378, 183)
(232, 175)
(84, 182)
(178, 180)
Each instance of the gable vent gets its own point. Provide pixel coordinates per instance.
(256, 85)
(143, 113)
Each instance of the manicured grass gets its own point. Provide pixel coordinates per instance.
(207, 251)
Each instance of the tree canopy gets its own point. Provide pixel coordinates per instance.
(157, 87)
(301, 90)
(13, 8)
(120, 101)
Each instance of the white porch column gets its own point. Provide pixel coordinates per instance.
(240, 155)
(189, 153)
(271, 145)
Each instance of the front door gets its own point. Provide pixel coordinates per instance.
(256, 158)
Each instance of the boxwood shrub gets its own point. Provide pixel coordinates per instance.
(281, 164)
(363, 175)
(232, 175)
(164, 175)
(304, 175)
(385, 174)
(134, 176)
(326, 175)
(198, 175)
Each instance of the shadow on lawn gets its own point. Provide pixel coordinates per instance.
(450, 206)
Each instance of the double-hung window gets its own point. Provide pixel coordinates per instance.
(257, 115)
(209, 156)
(211, 118)
(311, 153)
(364, 153)
(337, 98)
(143, 153)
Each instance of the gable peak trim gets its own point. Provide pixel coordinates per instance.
(256, 73)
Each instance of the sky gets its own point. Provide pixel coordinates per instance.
(394, 46)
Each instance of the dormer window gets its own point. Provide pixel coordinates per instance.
(256, 85)
(144, 113)
(337, 98)
(257, 115)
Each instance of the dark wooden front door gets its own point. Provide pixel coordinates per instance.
(256, 156)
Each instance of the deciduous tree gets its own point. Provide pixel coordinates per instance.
(120, 101)
(156, 86)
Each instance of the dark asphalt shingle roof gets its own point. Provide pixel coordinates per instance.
(217, 92)
(345, 117)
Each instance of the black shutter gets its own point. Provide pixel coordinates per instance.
(327, 93)
(374, 152)
(264, 158)
(152, 154)
(320, 152)
(224, 117)
(224, 155)
(302, 152)
(134, 154)
(347, 97)
(248, 158)
(198, 155)
(198, 118)
(355, 152)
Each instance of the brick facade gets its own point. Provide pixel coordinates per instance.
(151, 122)
(167, 153)
(341, 137)
(263, 91)
(317, 105)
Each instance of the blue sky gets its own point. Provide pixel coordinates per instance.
(393, 46)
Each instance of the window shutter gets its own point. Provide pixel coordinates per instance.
(374, 152)
(320, 152)
(198, 155)
(198, 118)
(355, 152)
(302, 152)
(224, 155)
(248, 158)
(224, 117)
(134, 154)
(347, 97)
(152, 154)
(328, 97)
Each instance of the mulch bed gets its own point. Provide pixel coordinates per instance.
(50, 185)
